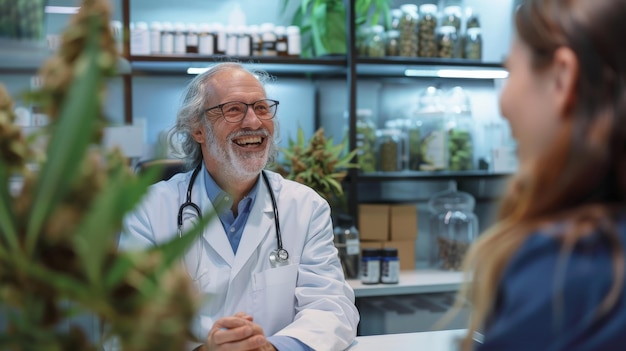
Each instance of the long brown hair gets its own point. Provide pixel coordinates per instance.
(581, 178)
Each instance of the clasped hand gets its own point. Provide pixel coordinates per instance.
(237, 333)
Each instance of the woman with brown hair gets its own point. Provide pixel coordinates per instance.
(549, 275)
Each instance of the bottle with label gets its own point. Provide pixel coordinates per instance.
(281, 41)
(431, 119)
(220, 39)
(370, 266)
(293, 41)
(268, 38)
(167, 38)
(180, 38)
(231, 41)
(155, 37)
(255, 37)
(244, 41)
(346, 241)
(192, 38)
(39, 118)
(139, 39)
(389, 265)
(206, 39)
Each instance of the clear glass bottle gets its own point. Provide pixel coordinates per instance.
(167, 38)
(448, 43)
(366, 140)
(427, 31)
(407, 27)
(473, 49)
(180, 38)
(346, 241)
(431, 118)
(389, 147)
(451, 16)
(281, 41)
(362, 38)
(392, 47)
(453, 226)
(293, 41)
(376, 42)
(206, 39)
(192, 38)
(460, 127)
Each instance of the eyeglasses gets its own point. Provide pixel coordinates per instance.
(235, 111)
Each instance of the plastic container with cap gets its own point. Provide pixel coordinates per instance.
(453, 226)
(346, 241)
(370, 266)
(389, 265)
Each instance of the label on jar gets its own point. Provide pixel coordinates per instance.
(370, 270)
(390, 270)
(434, 151)
(352, 247)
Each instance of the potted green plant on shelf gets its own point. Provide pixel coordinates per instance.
(324, 21)
(58, 230)
(318, 163)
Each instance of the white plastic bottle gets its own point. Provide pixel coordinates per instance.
(180, 38)
(167, 38)
(155, 37)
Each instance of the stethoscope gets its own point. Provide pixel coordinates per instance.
(278, 257)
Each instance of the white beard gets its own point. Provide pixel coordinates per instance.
(240, 166)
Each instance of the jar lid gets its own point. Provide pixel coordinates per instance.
(389, 252)
(449, 200)
(447, 29)
(452, 10)
(428, 8)
(408, 8)
(370, 252)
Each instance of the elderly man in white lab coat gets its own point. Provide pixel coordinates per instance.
(259, 297)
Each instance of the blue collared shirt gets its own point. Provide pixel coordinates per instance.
(234, 230)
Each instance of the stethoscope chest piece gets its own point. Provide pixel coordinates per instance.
(279, 257)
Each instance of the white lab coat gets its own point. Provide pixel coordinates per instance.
(308, 299)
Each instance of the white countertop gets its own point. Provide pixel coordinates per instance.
(444, 340)
(411, 282)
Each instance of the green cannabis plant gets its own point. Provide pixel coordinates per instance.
(319, 164)
(58, 230)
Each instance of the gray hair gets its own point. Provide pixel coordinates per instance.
(191, 113)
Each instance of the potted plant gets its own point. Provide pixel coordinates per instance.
(318, 163)
(58, 230)
(324, 21)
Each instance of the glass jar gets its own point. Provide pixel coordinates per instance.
(453, 226)
(426, 30)
(366, 140)
(473, 21)
(407, 27)
(473, 49)
(389, 147)
(460, 126)
(346, 240)
(376, 42)
(431, 119)
(452, 17)
(393, 43)
(362, 38)
(396, 16)
(448, 44)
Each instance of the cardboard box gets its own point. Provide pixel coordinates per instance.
(402, 222)
(406, 252)
(374, 222)
(371, 244)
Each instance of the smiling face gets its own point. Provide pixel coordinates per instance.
(235, 152)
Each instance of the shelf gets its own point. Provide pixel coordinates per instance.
(427, 175)
(429, 68)
(179, 64)
(419, 281)
(25, 57)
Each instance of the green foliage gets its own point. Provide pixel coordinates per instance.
(58, 232)
(324, 21)
(318, 163)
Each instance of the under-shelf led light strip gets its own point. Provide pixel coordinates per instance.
(457, 73)
(64, 10)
